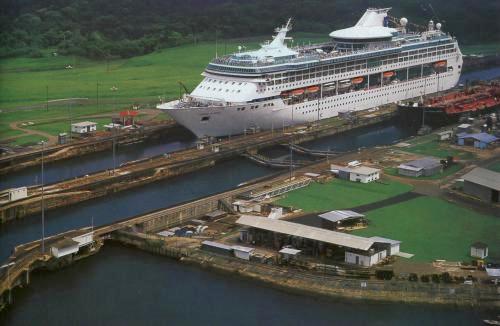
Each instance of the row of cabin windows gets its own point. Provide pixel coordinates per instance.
(298, 84)
(358, 100)
(254, 107)
(347, 67)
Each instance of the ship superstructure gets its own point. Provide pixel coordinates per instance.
(364, 66)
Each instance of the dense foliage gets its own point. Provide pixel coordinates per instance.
(125, 28)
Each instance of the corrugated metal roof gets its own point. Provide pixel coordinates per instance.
(216, 245)
(289, 251)
(244, 249)
(484, 177)
(335, 216)
(482, 137)
(305, 231)
(422, 163)
(385, 240)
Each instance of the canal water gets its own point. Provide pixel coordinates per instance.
(79, 166)
(103, 210)
(124, 286)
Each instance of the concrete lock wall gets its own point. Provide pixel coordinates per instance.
(476, 190)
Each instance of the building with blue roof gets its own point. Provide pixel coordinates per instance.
(480, 140)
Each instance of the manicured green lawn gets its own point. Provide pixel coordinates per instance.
(494, 167)
(451, 170)
(28, 140)
(438, 150)
(431, 228)
(54, 128)
(341, 194)
(6, 132)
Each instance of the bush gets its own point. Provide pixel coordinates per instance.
(435, 278)
(446, 278)
(425, 278)
(413, 277)
(384, 274)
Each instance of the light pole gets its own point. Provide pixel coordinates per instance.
(8, 279)
(43, 202)
(114, 89)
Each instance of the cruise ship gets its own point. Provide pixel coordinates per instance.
(377, 61)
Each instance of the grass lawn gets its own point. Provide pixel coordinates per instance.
(433, 229)
(28, 140)
(494, 167)
(54, 128)
(341, 194)
(6, 132)
(437, 149)
(451, 170)
(142, 79)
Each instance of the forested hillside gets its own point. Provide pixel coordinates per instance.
(124, 28)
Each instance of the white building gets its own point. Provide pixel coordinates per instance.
(84, 239)
(245, 206)
(479, 250)
(364, 174)
(64, 247)
(365, 258)
(18, 193)
(83, 127)
(243, 252)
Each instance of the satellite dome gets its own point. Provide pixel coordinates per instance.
(438, 26)
(403, 21)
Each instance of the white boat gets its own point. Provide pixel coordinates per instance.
(364, 66)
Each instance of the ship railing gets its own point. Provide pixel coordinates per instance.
(302, 57)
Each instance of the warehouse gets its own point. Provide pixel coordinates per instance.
(339, 219)
(426, 166)
(483, 183)
(315, 241)
(83, 127)
(361, 174)
(481, 140)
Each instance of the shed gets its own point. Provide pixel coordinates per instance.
(83, 127)
(444, 135)
(245, 206)
(464, 127)
(62, 138)
(479, 250)
(243, 252)
(392, 246)
(289, 253)
(64, 247)
(480, 140)
(483, 183)
(426, 166)
(84, 239)
(356, 173)
(18, 193)
(216, 247)
(366, 258)
(334, 218)
(215, 215)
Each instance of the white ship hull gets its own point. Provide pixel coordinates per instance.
(224, 121)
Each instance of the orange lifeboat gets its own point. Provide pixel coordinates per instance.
(312, 89)
(297, 92)
(357, 80)
(442, 63)
(388, 74)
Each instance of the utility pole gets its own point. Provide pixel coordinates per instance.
(47, 97)
(114, 89)
(97, 95)
(43, 202)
